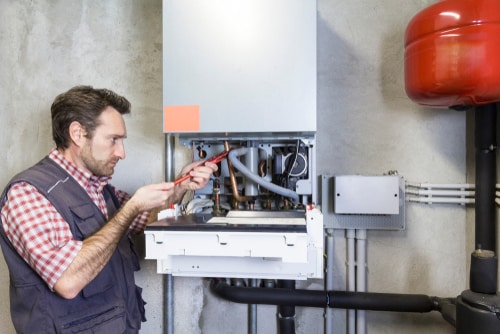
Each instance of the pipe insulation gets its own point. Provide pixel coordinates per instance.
(233, 157)
(335, 299)
(484, 262)
(485, 142)
(286, 313)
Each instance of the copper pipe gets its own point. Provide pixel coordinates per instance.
(216, 193)
(232, 177)
(262, 168)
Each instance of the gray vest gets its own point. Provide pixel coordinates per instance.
(110, 304)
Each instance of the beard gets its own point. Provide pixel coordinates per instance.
(104, 167)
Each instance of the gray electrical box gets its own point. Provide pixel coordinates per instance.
(356, 194)
(363, 202)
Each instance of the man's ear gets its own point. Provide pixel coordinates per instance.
(77, 133)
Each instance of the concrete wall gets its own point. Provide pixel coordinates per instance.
(367, 125)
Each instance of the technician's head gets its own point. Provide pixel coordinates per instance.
(82, 104)
(88, 122)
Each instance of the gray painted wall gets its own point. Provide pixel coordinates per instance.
(367, 125)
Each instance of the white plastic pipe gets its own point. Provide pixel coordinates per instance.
(441, 200)
(329, 281)
(351, 277)
(441, 185)
(434, 192)
(361, 278)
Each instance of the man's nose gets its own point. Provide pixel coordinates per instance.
(120, 150)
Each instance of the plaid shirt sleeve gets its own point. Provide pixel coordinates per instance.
(38, 232)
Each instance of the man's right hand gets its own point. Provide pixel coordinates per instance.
(152, 196)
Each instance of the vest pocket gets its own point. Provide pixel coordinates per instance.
(141, 303)
(85, 219)
(103, 320)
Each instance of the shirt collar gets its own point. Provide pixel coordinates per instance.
(84, 178)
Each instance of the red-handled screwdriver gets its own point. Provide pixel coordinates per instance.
(215, 159)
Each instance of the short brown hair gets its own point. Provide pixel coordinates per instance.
(82, 104)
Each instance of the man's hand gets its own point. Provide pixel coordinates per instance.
(200, 172)
(152, 196)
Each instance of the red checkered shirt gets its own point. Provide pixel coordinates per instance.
(40, 234)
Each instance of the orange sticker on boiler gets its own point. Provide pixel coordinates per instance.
(181, 118)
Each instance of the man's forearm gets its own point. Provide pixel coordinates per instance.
(95, 253)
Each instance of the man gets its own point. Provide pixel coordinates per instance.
(65, 230)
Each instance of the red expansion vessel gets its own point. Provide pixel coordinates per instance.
(452, 54)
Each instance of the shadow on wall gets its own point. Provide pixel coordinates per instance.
(144, 66)
(436, 123)
(335, 83)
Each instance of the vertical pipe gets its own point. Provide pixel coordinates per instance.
(252, 311)
(485, 141)
(361, 277)
(312, 171)
(329, 278)
(484, 262)
(168, 287)
(232, 177)
(286, 313)
(351, 278)
(168, 280)
(252, 163)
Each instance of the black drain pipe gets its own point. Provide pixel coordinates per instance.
(478, 309)
(336, 299)
(484, 262)
(286, 313)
